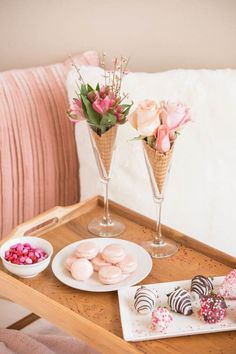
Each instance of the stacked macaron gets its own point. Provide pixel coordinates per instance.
(112, 263)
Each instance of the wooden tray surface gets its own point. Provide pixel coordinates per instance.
(90, 315)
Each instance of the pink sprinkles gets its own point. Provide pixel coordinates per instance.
(161, 319)
(213, 308)
(25, 254)
(228, 287)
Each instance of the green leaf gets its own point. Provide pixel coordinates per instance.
(83, 90)
(140, 137)
(93, 117)
(126, 108)
(98, 87)
(84, 107)
(126, 111)
(95, 127)
(89, 88)
(151, 141)
(108, 120)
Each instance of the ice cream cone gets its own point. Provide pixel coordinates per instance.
(105, 145)
(159, 163)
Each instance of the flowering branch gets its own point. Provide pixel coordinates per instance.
(77, 70)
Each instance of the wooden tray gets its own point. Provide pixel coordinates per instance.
(94, 317)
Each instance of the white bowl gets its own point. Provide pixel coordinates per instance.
(29, 270)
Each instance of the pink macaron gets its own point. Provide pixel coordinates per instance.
(128, 264)
(87, 250)
(99, 262)
(81, 269)
(110, 274)
(113, 253)
(68, 262)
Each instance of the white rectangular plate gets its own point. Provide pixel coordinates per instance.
(137, 327)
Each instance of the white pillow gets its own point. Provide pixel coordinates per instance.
(201, 190)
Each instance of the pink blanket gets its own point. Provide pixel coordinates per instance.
(15, 342)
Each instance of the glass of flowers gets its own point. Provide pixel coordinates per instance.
(104, 108)
(158, 126)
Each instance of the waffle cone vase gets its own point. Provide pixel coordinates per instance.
(159, 163)
(105, 146)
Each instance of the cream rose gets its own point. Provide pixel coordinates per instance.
(145, 118)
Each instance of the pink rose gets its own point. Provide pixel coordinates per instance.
(145, 118)
(102, 106)
(162, 138)
(174, 114)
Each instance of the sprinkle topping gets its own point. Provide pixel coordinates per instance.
(213, 308)
(228, 287)
(161, 319)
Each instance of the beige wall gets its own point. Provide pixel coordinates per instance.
(159, 35)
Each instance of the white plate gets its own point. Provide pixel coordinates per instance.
(93, 284)
(137, 327)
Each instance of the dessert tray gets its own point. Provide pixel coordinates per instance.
(94, 316)
(137, 327)
(93, 284)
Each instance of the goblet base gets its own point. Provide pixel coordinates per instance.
(163, 250)
(101, 228)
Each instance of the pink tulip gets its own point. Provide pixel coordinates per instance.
(76, 113)
(102, 106)
(73, 118)
(117, 112)
(104, 91)
(107, 103)
(97, 106)
(92, 96)
(118, 109)
(77, 108)
(162, 138)
(174, 115)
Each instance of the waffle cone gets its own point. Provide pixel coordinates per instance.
(159, 163)
(105, 145)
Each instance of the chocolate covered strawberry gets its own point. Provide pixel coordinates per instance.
(213, 308)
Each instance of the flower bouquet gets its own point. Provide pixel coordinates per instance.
(158, 127)
(104, 108)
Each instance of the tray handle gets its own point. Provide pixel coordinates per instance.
(42, 222)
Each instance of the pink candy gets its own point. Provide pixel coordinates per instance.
(25, 254)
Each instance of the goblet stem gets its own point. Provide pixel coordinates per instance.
(106, 216)
(158, 239)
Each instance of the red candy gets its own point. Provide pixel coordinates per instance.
(213, 308)
(25, 254)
